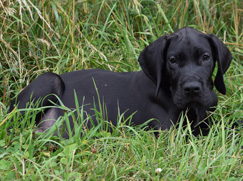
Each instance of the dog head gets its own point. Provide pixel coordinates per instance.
(185, 60)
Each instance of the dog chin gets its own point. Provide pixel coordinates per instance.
(194, 104)
(188, 104)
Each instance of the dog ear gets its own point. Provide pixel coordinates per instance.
(151, 60)
(224, 58)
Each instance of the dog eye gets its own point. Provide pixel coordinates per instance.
(205, 57)
(172, 60)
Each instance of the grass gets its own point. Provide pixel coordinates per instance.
(63, 36)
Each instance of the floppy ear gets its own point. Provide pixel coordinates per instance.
(152, 60)
(224, 58)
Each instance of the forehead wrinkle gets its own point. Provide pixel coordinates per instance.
(191, 49)
(189, 45)
(200, 50)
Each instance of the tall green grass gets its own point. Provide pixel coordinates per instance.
(63, 36)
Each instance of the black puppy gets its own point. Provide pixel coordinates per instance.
(176, 76)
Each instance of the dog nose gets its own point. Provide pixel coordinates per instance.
(192, 88)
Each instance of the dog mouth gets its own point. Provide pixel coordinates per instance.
(189, 102)
(205, 98)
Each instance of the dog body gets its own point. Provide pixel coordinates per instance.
(176, 76)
